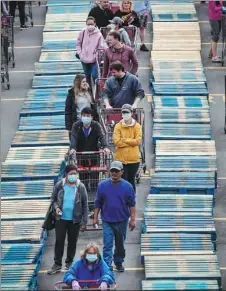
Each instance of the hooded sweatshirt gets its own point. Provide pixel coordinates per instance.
(88, 43)
(125, 55)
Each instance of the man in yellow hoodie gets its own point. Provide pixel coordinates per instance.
(127, 138)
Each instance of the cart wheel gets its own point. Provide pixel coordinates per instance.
(3, 80)
(138, 180)
(32, 23)
(13, 64)
(144, 169)
(225, 129)
(8, 86)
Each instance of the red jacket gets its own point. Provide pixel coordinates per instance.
(125, 55)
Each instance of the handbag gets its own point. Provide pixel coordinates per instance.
(77, 55)
(50, 221)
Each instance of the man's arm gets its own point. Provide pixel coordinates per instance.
(101, 135)
(139, 92)
(97, 205)
(74, 133)
(134, 62)
(137, 138)
(132, 205)
(117, 139)
(107, 92)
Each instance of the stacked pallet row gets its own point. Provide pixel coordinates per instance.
(34, 159)
(178, 239)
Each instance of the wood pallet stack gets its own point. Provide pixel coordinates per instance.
(33, 162)
(178, 240)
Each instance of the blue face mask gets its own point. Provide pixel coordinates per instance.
(72, 178)
(91, 258)
(86, 120)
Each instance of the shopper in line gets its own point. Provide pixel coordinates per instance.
(127, 14)
(116, 25)
(102, 13)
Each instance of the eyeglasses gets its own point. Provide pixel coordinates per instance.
(114, 171)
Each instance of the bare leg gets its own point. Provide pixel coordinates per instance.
(214, 49)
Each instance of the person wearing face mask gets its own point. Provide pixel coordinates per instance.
(115, 199)
(78, 98)
(102, 13)
(70, 204)
(116, 25)
(90, 267)
(119, 52)
(121, 88)
(127, 137)
(89, 40)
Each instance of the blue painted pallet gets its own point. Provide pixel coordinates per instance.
(50, 122)
(183, 182)
(66, 17)
(69, 9)
(24, 210)
(25, 190)
(64, 26)
(54, 68)
(47, 153)
(38, 108)
(47, 94)
(172, 131)
(58, 56)
(30, 170)
(166, 2)
(177, 17)
(187, 102)
(22, 231)
(53, 81)
(179, 203)
(176, 244)
(175, 66)
(182, 267)
(174, 115)
(17, 254)
(48, 46)
(68, 3)
(176, 76)
(40, 138)
(60, 35)
(180, 285)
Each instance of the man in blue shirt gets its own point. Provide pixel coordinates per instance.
(116, 200)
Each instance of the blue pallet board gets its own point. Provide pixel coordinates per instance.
(64, 26)
(58, 56)
(17, 254)
(188, 163)
(47, 94)
(174, 115)
(41, 138)
(53, 81)
(175, 66)
(68, 3)
(174, 2)
(177, 131)
(177, 17)
(50, 122)
(69, 45)
(55, 68)
(187, 76)
(200, 102)
(69, 9)
(30, 170)
(25, 190)
(176, 285)
(36, 108)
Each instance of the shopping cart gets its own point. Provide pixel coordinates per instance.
(5, 60)
(131, 30)
(223, 39)
(28, 12)
(109, 118)
(99, 87)
(88, 285)
(100, 61)
(8, 30)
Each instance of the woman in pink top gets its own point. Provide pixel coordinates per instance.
(215, 16)
(89, 40)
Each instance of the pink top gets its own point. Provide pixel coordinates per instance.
(215, 11)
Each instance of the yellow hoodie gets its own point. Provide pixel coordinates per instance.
(127, 139)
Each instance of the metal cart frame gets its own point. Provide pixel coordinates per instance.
(223, 24)
(8, 29)
(60, 285)
(29, 13)
(5, 60)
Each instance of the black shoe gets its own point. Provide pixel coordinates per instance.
(55, 269)
(24, 26)
(67, 266)
(144, 48)
(119, 267)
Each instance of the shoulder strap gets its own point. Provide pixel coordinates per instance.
(82, 38)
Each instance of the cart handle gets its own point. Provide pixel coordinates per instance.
(90, 153)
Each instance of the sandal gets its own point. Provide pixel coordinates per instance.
(216, 59)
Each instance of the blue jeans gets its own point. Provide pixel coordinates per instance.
(114, 231)
(90, 70)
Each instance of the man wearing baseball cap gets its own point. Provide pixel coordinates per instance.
(117, 25)
(116, 200)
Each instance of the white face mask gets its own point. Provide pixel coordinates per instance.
(90, 27)
(112, 26)
(126, 116)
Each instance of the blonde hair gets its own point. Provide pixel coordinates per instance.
(131, 5)
(91, 245)
(77, 87)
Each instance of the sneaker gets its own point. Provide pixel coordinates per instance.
(67, 266)
(24, 26)
(119, 267)
(144, 48)
(55, 269)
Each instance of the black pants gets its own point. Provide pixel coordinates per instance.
(64, 227)
(21, 6)
(129, 174)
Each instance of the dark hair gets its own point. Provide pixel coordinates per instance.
(87, 110)
(70, 167)
(217, 3)
(117, 65)
(115, 34)
(91, 18)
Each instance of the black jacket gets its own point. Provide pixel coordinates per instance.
(81, 143)
(101, 16)
(71, 110)
(128, 18)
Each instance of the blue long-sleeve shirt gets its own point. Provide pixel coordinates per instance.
(115, 200)
(80, 271)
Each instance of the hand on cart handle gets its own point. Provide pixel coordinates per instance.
(83, 228)
(72, 152)
(96, 223)
(75, 285)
